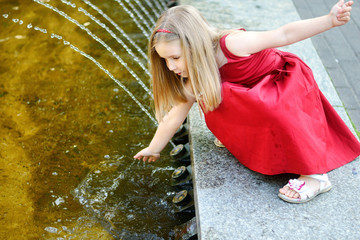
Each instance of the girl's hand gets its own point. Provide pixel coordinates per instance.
(147, 155)
(340, 13)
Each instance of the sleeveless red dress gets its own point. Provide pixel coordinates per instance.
(274, 119)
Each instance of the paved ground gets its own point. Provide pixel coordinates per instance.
(233, 202)
(339, 50)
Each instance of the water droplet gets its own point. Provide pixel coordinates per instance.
(116, 90)
(66, 43)
(54, 173)
(69, 3)
(51, 229)
(59, 201)
(40, 29)
(108, 122)
(53, 35)
(86, 24)
(107, 156)
(5, 15)
(19, 37)
(21, 22)
(29, 26)
(111, 131)
(15, 20)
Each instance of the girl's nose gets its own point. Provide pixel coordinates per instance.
(171, 65)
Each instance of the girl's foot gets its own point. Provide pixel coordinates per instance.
(218, 143)
(305, 188)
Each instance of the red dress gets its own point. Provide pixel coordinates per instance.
(274, 119)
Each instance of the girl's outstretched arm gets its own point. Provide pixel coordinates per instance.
(165, 131)
(245, 43)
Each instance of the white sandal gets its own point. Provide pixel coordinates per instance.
(218, 143)
(306, 194)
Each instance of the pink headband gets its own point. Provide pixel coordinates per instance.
(163, 30)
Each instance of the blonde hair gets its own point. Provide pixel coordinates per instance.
(198, 43)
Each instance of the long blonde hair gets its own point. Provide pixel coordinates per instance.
(198, 42)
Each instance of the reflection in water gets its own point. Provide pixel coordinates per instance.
(70, 126)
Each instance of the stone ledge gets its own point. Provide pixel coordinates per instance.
(233, 202)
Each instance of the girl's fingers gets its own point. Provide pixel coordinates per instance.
(344, 19)
(349, 3)
(344, 7)
(345, 10)
(347, 14)
(146, 157)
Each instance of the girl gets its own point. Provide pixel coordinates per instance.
(261, 103)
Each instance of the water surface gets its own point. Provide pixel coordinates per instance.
(67, 127)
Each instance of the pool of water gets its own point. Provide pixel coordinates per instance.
(69, 131)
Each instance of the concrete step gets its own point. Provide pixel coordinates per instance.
(235, 203)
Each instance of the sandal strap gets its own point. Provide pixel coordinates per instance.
(301, 188)
(319, 177)
(322, 178)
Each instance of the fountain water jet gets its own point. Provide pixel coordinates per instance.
(145, 32)
(146, 13)
(153, 9)
(53, 35)
(148, 25)
(158, 5)
(120, 60)
(122, 32)
(128, 50)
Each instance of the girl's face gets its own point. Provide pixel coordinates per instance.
(172, 53)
